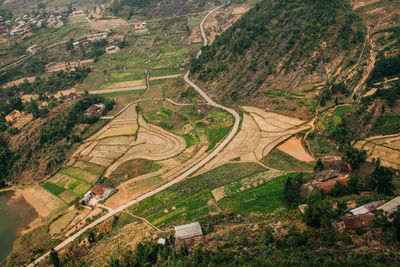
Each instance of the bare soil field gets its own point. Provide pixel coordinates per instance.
(57, 66)
(122, 89)
(294, 147)
(22, 121)
(125, 239)
(44, 203)
(19, 81)
(102, 25)
(260, 132)
(385, 148)
(153, 143)
(173, 76)
(195, 36)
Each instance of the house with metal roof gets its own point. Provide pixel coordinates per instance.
(188, 231)
(391, 206)
(369, 207)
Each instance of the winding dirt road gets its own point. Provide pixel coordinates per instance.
(178, 179)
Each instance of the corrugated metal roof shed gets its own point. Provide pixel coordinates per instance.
(188, 231)
(391, 206)
(367, 207)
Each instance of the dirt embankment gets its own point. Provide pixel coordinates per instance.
(222, 19)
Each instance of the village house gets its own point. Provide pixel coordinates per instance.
(13, 116)
(94, 110)
(369, 207)
(327, 175)
(78, 13)
(97, 193)
(391, 206)
(112, 49)
(76, 44)
(97, 36)
(140, 25)
(188, 231)
(33, 49)
(355, 221)
(327, 186)
(72, 96)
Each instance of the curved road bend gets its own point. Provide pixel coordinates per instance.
(178, 179)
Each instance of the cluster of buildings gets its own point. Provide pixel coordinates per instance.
(84, 42)
(25, 24)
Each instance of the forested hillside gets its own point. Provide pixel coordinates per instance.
(149, 8)
(288, 45)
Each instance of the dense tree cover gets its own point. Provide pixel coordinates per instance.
(311, 247)
(382, 180)
(7, 159)
(34, 66)
(276, 32)
(293, 190)
(354, 157)
(385, 67)
(62, 126)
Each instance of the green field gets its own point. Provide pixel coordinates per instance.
(217, 177)
(52, 188)
(193, 199)
(165, 71)
(197, 124)
(80, 174)
(282, 161)
(265, 198)
(216, 135)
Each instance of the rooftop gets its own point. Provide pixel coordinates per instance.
(391, 206)
(188, 231)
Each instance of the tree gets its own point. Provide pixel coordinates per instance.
(382, 179)
(33, 108)
(356, 184)
(293, 190)
(54, 260)
(338, 190)
(319, 165)
(69, 45)
(354, 157)
(319, 210)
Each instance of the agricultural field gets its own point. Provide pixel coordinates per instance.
(386, 148)
(260, 133)
(198, 125)
(193, 198)
(158, 51)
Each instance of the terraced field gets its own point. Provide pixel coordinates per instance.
(261, 132)
(386, 148)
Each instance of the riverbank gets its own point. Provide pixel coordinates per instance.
(17, 215)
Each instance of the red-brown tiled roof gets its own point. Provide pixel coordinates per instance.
(328, 185)
(99, 189)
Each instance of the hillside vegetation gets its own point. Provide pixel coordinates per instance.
(286, 45)
(151, 8)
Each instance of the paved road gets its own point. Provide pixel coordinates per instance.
(178, 179)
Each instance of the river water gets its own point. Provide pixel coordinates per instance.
(15, 215)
